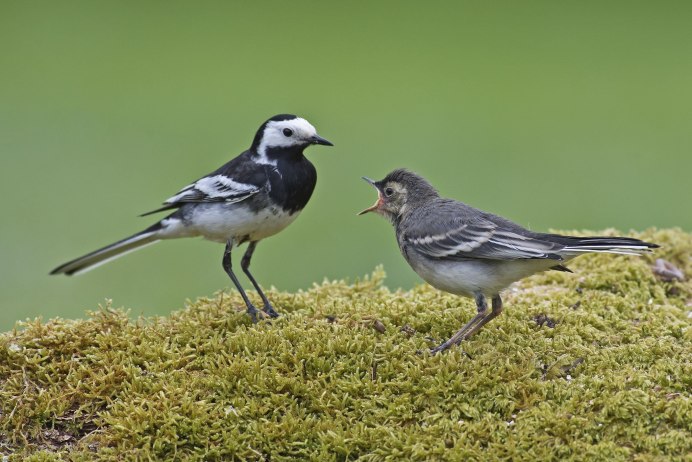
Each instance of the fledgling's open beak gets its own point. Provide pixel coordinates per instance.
(377, 204)
(316, 139)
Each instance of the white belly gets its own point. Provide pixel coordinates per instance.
(468, 277)
(224, 222)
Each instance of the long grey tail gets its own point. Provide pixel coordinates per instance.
(619, 245)
(110, 252)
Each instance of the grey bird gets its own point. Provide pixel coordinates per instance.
(466, 251)
(253, 196)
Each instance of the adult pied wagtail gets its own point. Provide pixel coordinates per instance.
(254, 196)
(465, 251)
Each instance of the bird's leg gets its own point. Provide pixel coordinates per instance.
(245, 265)
(227, 266)
(497, 309)
(463, 333)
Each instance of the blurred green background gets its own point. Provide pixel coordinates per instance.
(554, 114)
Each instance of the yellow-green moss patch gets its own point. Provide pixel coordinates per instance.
(338, 376)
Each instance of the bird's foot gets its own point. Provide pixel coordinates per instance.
(438, 349)
(447, 345)
(270, 311)
(432, 351)
(442, 347)
(252, 312)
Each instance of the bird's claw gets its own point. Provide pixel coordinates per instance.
(447, 345)
(252, 312)
(270, 311)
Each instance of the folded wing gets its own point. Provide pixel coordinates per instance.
(221, 186)
(482, 236)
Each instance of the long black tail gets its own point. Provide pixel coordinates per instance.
(604, 244)
(110, 252)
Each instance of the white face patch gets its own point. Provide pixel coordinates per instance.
(284, 134)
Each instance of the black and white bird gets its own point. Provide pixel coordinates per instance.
(465, 251)
(254, 196)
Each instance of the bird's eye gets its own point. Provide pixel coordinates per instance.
(288, 132)
(388, 191)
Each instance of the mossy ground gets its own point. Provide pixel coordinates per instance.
(339, 377)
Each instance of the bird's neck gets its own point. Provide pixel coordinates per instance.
(404, 213)
(291, 182)
(273, 156)
(413, 204)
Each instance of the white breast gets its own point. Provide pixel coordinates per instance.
(468, 277)
(221, 222)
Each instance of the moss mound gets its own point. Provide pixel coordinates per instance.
(593, 365)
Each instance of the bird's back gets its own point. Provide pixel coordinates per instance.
(447, 229)
(440, 215)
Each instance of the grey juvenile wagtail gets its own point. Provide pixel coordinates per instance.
(465, 251)
(254, 196)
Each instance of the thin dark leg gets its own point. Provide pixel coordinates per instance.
(482, 307)
(497, 309)
(245, 265)
(227, 266)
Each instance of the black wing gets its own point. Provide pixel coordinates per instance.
(235, 181)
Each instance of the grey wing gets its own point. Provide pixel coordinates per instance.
(480, 238)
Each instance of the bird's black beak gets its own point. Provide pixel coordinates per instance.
(372, 182)
(375, 206)
(316, 139)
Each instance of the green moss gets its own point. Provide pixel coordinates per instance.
(338, 376)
